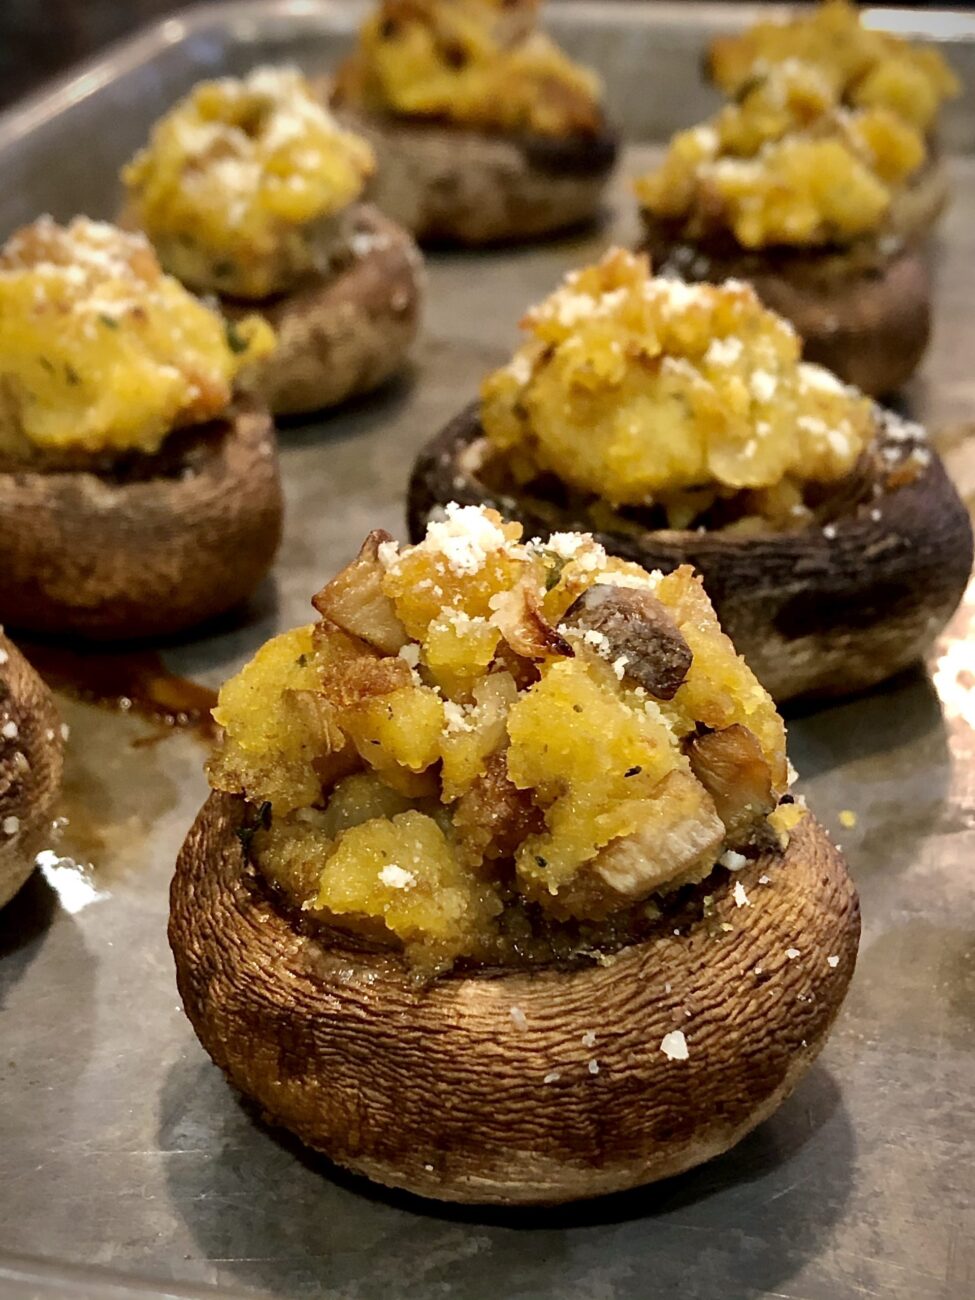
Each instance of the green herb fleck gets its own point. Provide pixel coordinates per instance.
(633, 771)
(262, 821)
(108, 321)
(224, 268)
(555, 572)
(542, 862)
(47, 364)
(302, 661)
(235, 340)
(72, 376)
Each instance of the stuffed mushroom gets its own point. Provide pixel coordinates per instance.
(137, 497)
(31, 760)
(250, 190)
(484, 130)
(500, 894)
(864, 66)
(823, 209)
(678, 423)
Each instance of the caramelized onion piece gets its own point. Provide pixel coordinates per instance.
(355, 601)
(732, 768)
(637, 627)
(519, 615)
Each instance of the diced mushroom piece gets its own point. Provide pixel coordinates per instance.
(732, 768)
(638, 630)
(494, 816)
(519, 617)
(355, 601)
(680, 841)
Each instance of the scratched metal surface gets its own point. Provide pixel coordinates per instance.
(121, 1149)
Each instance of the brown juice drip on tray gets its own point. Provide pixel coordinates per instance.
(129, 682)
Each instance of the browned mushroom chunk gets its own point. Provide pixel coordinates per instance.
(637, 627)
(355, 601)
(732, 768)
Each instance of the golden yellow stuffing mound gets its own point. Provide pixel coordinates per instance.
(100, 351)
(785, 165)
(479, 63)
(487, 745)
(649, 391)
(864, 68)
(240, 178)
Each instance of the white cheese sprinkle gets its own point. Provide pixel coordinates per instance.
(832, 961)
(518, 1018)
(11, 825)
(10, 730)
(465, 538)
(792, 953)
(739, 895)
(410, 653)
(733, 861)
(589, 1038)
(724, 352)
(387, 553)
(396, 877)
(674, 1045)
(593, 1067)
(553, 1076)
(3, 656)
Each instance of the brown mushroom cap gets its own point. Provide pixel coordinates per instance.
(813, 613)
(441, 1089)
(342, 333)
(147, 552)
(457, 185)
(30, 765)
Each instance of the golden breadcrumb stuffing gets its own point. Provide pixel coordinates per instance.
(241, 178)
(784, 165)
(486, 743)
(479, 63)
(863, 67)
(649, 391)
(100, 352)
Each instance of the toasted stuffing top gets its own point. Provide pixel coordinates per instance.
(478, 63)
(864, 68)
(785, 165)
(645, 390)
(102, 352)
(238, 178)
(487, 745)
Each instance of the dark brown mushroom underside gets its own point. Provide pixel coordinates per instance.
(813, 614)
(519, 1087)
(452, 184)
(866, 319)
(343, 333)
(92, 556)
(30, 766)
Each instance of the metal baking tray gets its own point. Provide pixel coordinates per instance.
(128, 1168)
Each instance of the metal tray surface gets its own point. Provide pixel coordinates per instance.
(124, 1155)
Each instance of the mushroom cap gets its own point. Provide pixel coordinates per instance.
(30, 765)
(453, 184)
(480, 1086)
(341, 333)
(121, 556)
(812, 613)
